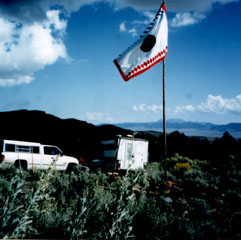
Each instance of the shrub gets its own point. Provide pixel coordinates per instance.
(182, 167)
(85, 205)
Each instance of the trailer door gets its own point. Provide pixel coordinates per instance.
(125, 154)
(140, 154)
(129, 158)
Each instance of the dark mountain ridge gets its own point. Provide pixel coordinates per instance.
(81, 139)
(74, 137)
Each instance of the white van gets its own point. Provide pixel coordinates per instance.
(31, 155)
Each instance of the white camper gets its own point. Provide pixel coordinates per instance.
(132, 153)
(123, 153)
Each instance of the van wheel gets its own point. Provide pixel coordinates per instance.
(70, 168)
(20, 165)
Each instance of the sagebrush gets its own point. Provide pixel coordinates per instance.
(198, 201)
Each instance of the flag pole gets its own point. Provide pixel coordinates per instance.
(164, 122)
(164, 118)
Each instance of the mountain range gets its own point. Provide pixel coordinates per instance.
(74, 137)
(189, 128)
(81, 139)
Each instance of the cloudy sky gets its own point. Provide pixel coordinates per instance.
(57, 56)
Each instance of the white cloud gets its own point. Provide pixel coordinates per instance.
(29, 48)
(132, 26)
(188, 12)
(144, 108)
(98, 117)
(218, 104)
(6, 29)
(18, 80)
(187, 108)
(186, 18)
(123, 27)
(213, 104)
(172, 5)
(53, 17)
(133, 32)
(35, 10)
(155, 108)
(31, 36)
(140, 108)
(150, 15)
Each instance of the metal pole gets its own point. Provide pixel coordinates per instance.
(164, 123)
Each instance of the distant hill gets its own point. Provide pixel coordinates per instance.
(74, 137)
(189, 128)
(81, 139)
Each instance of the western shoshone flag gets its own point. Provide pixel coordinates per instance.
(149, 50)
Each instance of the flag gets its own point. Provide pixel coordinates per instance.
(150, 49)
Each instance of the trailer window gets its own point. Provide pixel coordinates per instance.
(9, 147)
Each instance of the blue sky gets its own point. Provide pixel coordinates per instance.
(57, 56)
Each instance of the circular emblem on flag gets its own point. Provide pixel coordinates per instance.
(148, 43)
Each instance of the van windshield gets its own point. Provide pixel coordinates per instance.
(51, 150)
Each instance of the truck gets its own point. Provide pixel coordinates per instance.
(125, 153)
(32, 155)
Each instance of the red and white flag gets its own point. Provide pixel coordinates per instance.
(149, 50)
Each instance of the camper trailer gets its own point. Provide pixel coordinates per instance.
(125, 153)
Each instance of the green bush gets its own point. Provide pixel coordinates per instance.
(182, 167)
(195, 204)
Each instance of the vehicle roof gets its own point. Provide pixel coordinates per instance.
(134, 139)
(22, 142)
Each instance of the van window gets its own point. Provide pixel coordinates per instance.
(21, 148)
(9, 147)
(35, 149)
(51, 151)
